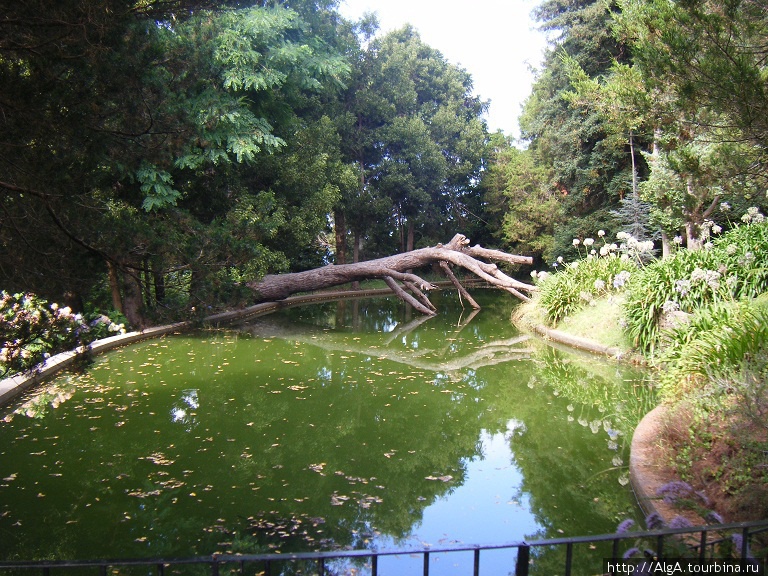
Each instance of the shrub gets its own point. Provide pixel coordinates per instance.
(581, 281)
(734, 267)
(716, 342)
(31, 329)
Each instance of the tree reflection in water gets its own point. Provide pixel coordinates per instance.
(328, 427)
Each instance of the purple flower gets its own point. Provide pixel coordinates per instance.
(738, 542)
(630, 553)
(625, 526)
(673, 491)
(654, 521)
(680, 522)
(714, 518)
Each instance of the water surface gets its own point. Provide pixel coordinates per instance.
(342, 425)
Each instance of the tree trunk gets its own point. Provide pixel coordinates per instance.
(132, 301)
(114, 286)
(358, 244)
(666, 249)
(159, 282)
(340, 227)
(393, 268)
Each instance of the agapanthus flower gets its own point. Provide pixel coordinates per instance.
(653, 521)
(670, 306)
(682, 287)
(714, 518)
(634, 551)
(680, 522)
(621, 279)
(675, 490)
(625, 526)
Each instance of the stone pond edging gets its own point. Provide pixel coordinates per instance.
(645, 474)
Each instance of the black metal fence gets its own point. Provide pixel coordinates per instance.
(700, 543)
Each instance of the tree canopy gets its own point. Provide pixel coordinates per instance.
(157, 156)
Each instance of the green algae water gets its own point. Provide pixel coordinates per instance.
(341, 425)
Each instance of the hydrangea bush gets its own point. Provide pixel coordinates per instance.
(32, 329)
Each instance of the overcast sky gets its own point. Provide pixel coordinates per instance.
(494, 40)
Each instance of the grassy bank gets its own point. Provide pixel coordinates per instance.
(700, 320)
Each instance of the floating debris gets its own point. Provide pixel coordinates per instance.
(446, 478)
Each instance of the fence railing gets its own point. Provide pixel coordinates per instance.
(701, 543)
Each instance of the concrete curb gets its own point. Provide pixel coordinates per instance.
(646, 474)
(643, 470)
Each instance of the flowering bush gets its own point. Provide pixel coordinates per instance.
(682, 495)
(31, 329)
(598, 273)
(733, 267)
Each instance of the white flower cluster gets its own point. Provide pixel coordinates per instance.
(701, 276)
(621, 279)
(670, 306)
(682, 287)
(753, 216)
(120, 328)
(709, 277)
(632, 246)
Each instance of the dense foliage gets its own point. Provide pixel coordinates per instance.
(734, 268)
(157, 154)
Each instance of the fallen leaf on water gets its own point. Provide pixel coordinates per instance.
(446, 478)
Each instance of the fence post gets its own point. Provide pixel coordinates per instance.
(745, 543)
(523, 557)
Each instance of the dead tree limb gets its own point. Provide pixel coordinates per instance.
(394, 269)
(455, 281)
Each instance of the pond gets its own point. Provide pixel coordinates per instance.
(341, 425)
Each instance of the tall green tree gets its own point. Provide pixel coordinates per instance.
(592, 169)
(521, 205)
(130, 135)
(703, 66)
(415, 131)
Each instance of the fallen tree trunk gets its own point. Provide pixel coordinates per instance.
(394, 269)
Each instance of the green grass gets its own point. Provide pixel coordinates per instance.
(600, 321)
